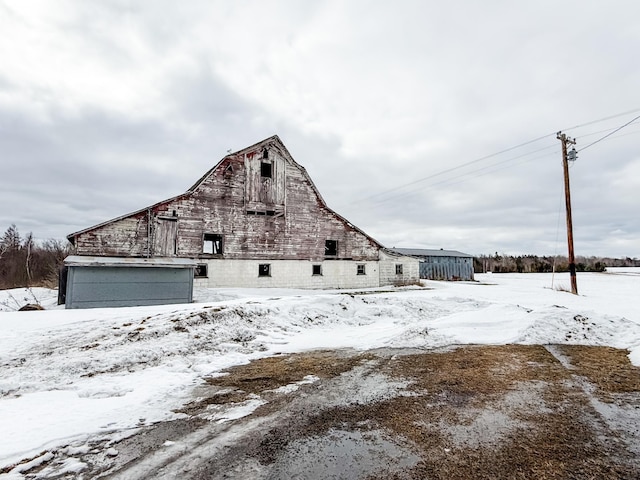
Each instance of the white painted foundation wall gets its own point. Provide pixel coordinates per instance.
(299, 273)
(289, 274)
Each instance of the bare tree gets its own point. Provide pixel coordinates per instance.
(26, 262)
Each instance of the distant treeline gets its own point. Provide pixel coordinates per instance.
(535, 264)
(27, 263)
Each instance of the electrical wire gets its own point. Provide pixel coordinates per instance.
(511, 165)
(448, 170)
(450, 181)
(610, 133)
(611, 117)
(592, 134)
(487, 157)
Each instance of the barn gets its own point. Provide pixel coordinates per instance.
(255, 219)
(441, 264)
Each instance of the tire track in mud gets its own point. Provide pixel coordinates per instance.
(511, 411)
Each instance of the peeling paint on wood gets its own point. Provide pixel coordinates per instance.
(281, 217)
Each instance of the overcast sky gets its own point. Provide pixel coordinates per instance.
(396, 110)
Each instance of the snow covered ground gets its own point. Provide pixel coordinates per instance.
(70, 375)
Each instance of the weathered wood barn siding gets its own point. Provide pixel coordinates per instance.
(282, 217)
(256, 206)
(126, 237)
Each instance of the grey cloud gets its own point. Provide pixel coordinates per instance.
(365, 103)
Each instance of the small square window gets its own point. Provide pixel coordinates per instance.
(264, 270)
(201, 271)
(212, 243)
(399, 269)
(361, 269)
(265, 169)
(331, 247)
(317, 270)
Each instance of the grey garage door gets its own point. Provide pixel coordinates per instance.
(103, 286)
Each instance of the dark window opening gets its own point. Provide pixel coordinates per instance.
(268, 213)
(399, 269)
(265, 169)
(201, 271)
(212, 244)
(265, 153)
(331, 247)
(317, 270)
(361, 269)
(228, 171)
(264, 270)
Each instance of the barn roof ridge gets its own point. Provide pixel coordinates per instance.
(431, 252)
(274, 139)
(271, 139)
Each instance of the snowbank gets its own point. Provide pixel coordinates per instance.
(70, 374)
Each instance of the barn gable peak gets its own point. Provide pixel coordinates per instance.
(259, 148)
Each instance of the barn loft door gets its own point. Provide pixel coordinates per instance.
(166, 237)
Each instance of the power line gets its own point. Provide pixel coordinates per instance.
(610, 133)
(450, 181)
(458, 167)
(447, 181)
(611, 117)
(486, 157)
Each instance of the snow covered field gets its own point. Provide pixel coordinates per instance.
(67, 376)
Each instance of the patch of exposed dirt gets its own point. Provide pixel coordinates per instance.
(243, 382)
(608, 369)
(273, 372)
(476, 412)
(496, 412)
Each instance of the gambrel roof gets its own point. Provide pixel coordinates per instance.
(271, 142)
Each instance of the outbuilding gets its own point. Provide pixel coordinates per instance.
(93, 282)
(441, 264)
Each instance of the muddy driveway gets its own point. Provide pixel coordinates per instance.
(469, 412)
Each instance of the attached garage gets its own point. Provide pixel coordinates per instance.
(95, 282)
(441, 264)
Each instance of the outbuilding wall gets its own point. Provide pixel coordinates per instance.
(96, 286)
(446, 268)
(388, 268)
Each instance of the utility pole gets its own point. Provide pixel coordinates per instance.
(567, 196)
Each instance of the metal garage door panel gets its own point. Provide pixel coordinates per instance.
(128, 286)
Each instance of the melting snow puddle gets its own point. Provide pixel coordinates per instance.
(292, 387)
(223, 413)
(344, 455)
